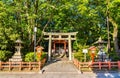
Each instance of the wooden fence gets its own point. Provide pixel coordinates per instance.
(21, 65)
(97, 65)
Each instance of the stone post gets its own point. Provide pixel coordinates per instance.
(49, 48)
(70, 48)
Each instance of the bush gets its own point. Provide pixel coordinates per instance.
(4, 55)
(80, 55)
(114, 56)
(29, 57)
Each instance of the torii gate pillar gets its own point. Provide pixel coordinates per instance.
(70, 48)
(49, 49)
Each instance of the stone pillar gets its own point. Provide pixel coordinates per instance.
(70, 48)
(49, 48)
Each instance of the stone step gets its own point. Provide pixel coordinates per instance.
(16, 57)
(17, 53)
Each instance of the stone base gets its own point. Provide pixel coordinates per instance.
(16, 57)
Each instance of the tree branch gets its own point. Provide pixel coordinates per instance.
(40, 38)
(113, 22)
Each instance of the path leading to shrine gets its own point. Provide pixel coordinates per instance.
(60, 67)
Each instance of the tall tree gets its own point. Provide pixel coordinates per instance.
(114, 16)
(88, 17)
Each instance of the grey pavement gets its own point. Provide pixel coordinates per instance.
(60, 75)
(60, 69)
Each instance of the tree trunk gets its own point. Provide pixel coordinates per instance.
(115, 39)
(115, 34)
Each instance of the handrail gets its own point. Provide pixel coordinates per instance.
(21, 65)
(97, 65)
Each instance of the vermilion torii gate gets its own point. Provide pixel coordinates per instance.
(55, 36)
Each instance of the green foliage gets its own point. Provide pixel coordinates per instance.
(4, 55)
(79, 46)
(80, 55)
(114, 56)
(87, 17)
(29, 57)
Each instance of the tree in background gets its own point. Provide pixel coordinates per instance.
(88, 17)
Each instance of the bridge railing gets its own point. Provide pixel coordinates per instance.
(97, 65)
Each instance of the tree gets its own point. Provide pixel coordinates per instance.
(7, 27)
(113, 18)
(88, 17)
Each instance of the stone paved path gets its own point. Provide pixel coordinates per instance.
(61, 75)
(60, 67)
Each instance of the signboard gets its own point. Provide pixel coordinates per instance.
(85, 51)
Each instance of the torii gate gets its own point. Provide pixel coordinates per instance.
(59, 36)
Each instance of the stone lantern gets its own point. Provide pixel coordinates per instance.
(17, 54)
(101, 53)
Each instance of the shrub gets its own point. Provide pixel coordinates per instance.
(29, 57)
(80, 55)
(114, 56)
(4, 55)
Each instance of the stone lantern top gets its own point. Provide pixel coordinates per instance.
(18, 44)
(100, 41)
(18, 41)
